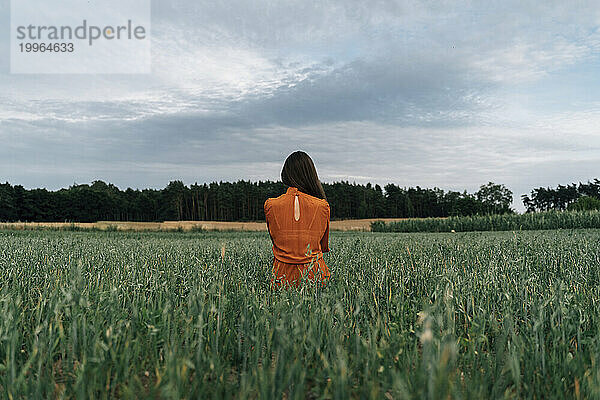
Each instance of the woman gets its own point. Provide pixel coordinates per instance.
(298, 222)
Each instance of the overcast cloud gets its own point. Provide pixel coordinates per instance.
(445, 94)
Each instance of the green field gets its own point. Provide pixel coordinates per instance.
(548, 220)
(191, 315)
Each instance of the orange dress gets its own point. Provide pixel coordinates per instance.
(299, 227)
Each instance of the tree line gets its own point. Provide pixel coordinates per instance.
(578, 196)
(237, 201)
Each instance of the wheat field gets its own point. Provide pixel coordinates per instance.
(166, 315)
(342, 225)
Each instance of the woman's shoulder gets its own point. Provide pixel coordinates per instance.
(325, 205)
(271, 200)
(322, 203)
(312, 199)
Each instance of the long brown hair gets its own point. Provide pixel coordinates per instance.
(299, 171)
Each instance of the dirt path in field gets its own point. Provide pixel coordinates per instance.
(345, 225)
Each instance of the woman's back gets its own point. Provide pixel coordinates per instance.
(298, 223)
(299, 226)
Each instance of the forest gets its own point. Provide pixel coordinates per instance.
(243, 201)
(580, 196)
(238, 201)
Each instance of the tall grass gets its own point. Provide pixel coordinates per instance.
(505, 222)
(157, 315)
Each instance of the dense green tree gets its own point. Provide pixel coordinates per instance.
(8, 206)
(231, 201)
(545, 199)
(494, 198)
(585, 203)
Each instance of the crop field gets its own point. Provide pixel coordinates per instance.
(405, 315)
(186, 226)
(548, 220)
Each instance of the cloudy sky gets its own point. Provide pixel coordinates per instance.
(431, 93)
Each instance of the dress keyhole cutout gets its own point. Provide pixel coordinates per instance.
(296, 208)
